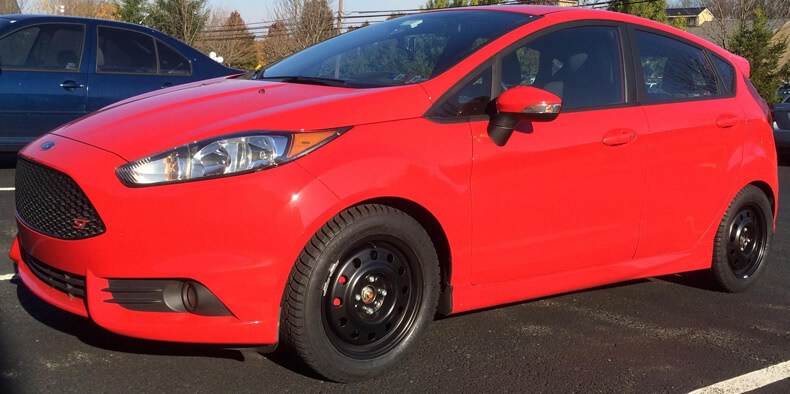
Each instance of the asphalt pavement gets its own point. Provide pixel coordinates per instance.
(667, 334)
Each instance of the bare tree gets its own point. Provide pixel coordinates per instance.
(182, 19)
(9, 7)
(729, 14)
(300, 24)
(228, 36)
(89, 8)
(277, 44)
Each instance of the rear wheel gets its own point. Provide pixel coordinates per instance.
(361, 293)
(742, 241)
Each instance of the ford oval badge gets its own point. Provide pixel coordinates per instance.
(47, 145)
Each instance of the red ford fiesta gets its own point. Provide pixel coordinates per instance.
(440, 162)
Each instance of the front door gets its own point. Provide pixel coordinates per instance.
(567, 194)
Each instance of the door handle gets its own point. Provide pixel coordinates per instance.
(71, 85)
(619, 137)
(167, 85)
(727, 121)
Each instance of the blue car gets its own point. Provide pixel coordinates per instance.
(54, 69)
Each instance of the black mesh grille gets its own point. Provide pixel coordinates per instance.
(71, 284)
(51, 203)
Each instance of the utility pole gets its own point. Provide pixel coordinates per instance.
(339, 15)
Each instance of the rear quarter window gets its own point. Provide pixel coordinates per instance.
(727, 72)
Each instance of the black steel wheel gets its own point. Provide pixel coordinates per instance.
(742, 241)
(372, 297)
(361, 293)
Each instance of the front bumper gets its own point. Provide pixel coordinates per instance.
(237, 236)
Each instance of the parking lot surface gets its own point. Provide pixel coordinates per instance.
(667, 334)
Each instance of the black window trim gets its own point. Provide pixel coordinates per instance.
(156, 53)
(82, 48)
(712, 56)
(640, 78)
(627, 61)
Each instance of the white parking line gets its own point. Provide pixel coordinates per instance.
(750, 381)
(7, 189)
(7, 277)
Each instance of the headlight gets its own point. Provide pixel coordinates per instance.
(223, 156)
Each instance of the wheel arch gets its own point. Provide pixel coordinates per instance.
(438, 236)
(769, 193)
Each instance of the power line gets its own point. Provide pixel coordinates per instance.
(228, 32)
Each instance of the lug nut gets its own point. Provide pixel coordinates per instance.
(378, 304)
(371, 278)
(368, 310)
(382, 292)
(358, 297)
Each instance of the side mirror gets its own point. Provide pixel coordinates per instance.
(521, 103)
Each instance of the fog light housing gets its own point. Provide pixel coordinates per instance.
(165, 295)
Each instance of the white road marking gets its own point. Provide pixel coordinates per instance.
(7, 277)
(7, 189)
(750, 381)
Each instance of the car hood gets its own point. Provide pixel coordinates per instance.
(152, 122)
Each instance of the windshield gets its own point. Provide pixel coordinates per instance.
(401, 51)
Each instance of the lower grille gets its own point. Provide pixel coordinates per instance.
(71, 284)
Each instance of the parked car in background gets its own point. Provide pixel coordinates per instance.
(784, 90)
(781, 117)
(444, 161)
(54, 69)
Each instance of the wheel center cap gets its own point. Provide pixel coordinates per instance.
(744, 239)
(368, 294)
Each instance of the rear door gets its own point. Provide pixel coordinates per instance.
(128, 63)
(697, 131)
(43, 80)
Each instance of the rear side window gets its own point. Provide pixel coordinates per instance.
(172, 62)
(125, 51)
(727, 72)
(45, 47)
(674, 70)
(581, 65)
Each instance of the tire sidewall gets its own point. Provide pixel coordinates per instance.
(411, 234)
(720, 266)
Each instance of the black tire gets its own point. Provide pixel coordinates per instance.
(742, 241)
(361, 293)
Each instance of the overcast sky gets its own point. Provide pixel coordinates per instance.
(261, 10)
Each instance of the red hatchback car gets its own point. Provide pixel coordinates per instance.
(439, 162)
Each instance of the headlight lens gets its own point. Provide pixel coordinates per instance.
(223, 156)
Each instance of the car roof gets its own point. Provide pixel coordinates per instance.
(63, 18)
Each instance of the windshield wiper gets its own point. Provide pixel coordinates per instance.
(310, 80)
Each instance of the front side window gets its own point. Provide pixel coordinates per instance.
(401, 51)
(45, 47)
(581, 65)
(472, 99)
(125, 51)
(674, 70)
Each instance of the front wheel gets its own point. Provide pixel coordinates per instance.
(361, 293)
(742, 241)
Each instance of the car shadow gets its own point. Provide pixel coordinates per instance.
(93, 335)
(695, 279)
